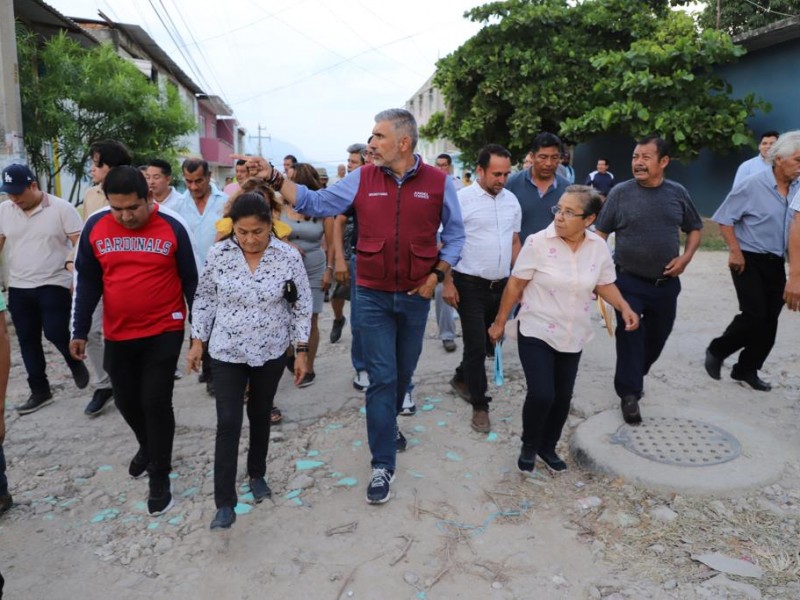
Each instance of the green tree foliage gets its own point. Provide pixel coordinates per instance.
(72, 96)
(738, 16)
(580, 69)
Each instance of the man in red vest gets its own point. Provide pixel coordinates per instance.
(399, 203)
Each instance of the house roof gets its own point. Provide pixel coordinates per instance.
(46, 20)
(148, 45)
(216, 104)
(770, 35)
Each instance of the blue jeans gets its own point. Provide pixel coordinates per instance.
(395, 323)
(36, 310)
(445, 317)
(3, 478)
(356, 351)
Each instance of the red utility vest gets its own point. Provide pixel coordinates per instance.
(397, 226)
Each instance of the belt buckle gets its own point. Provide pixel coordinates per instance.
(492, 283)
(660, 281)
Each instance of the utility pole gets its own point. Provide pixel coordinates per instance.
(259, 137)
(12, 148)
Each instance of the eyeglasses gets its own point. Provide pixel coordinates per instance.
(568, 214)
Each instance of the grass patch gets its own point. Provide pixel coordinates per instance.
(711, 238)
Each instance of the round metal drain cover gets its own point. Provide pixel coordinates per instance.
(679, 442)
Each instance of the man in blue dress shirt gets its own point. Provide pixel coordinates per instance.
(753, 220)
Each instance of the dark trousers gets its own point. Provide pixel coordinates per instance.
(142, 375)
(478, 303)
(230, 381)
(759, 290)
(550, 378)
(638, 350)
(3, 478)
(36, 310)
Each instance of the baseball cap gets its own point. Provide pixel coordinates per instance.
(16, 178)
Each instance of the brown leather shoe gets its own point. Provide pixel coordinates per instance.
(460, 388)
(480, 421)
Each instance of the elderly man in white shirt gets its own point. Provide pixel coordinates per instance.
(492, 220)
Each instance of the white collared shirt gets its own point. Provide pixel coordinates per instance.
(172, 198)
(557, 300)
(490, 223)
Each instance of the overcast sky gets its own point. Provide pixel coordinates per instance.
(313, 73)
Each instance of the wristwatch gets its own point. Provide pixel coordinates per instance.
(439, 275)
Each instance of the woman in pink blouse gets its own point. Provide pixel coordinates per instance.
(553, 279)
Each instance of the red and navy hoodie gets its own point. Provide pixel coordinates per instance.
(146, 276)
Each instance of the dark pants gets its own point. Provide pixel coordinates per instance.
(3, 478)
(230, 381)
(34, 310)
(550, 378)
(478, 303)
(142, 375)
(638, 350)
(760, 292)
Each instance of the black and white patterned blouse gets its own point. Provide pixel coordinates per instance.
(243, 315)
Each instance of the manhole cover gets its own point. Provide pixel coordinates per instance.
(681, 442)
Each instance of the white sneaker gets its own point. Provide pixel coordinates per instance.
(409, 408)
(361, 381)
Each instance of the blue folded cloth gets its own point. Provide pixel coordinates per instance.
(499, 379)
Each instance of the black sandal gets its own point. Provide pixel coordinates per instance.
(275, 416)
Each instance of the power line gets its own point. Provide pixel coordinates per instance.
(199, 49)
(371, 47)
(331, 67)
(190, 64)
(318, 43)
(768, 10)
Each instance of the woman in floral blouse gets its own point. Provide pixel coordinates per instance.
(245, 313)
(554, 276)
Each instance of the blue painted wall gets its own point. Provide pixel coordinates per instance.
(772, 73)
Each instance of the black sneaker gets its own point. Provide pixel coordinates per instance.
(527, 460)
(752, 379)
(260, 489)
(35, 402)
(630, 409)
(138, 464)
(400, 442)
(80, 375)
(160, 499)
(336, 330)
(307, 380)
(713, 364)
(553, 461)
(224, 518)
(5, 503)
(378, 489)
(409, 408)
(98, 402)
(210, 387)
